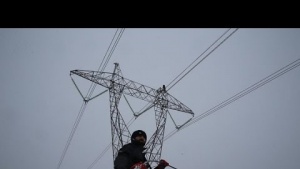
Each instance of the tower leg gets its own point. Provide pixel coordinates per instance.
(119, 130)
(154, 145)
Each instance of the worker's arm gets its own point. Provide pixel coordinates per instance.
(122, 160)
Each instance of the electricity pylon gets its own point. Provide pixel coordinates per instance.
(159, 98)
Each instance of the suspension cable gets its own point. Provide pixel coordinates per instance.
(112, 49)
(147, 106)
(84, 104)
(202, 58)
(241, 94)
(82, 109)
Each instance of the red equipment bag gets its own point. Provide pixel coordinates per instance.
(139, 165)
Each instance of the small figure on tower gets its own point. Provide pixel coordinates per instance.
(132, 156)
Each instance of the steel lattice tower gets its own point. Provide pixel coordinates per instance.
(160, 98)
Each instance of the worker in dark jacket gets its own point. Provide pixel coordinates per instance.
(132, 155)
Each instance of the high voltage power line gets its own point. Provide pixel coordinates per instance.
(202, 56)
(241, 94)
(102, 66)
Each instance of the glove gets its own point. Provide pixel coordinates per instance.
(139, 165)
(163, 163)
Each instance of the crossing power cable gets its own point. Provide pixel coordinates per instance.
(217, 43)
(91, 89)
(107, 56)
(206, 53)
(239, 95)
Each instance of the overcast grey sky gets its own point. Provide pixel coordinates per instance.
(39, 102)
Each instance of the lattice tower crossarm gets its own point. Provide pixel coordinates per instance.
(131, 88)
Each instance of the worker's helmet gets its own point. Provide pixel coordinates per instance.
(138, 133)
